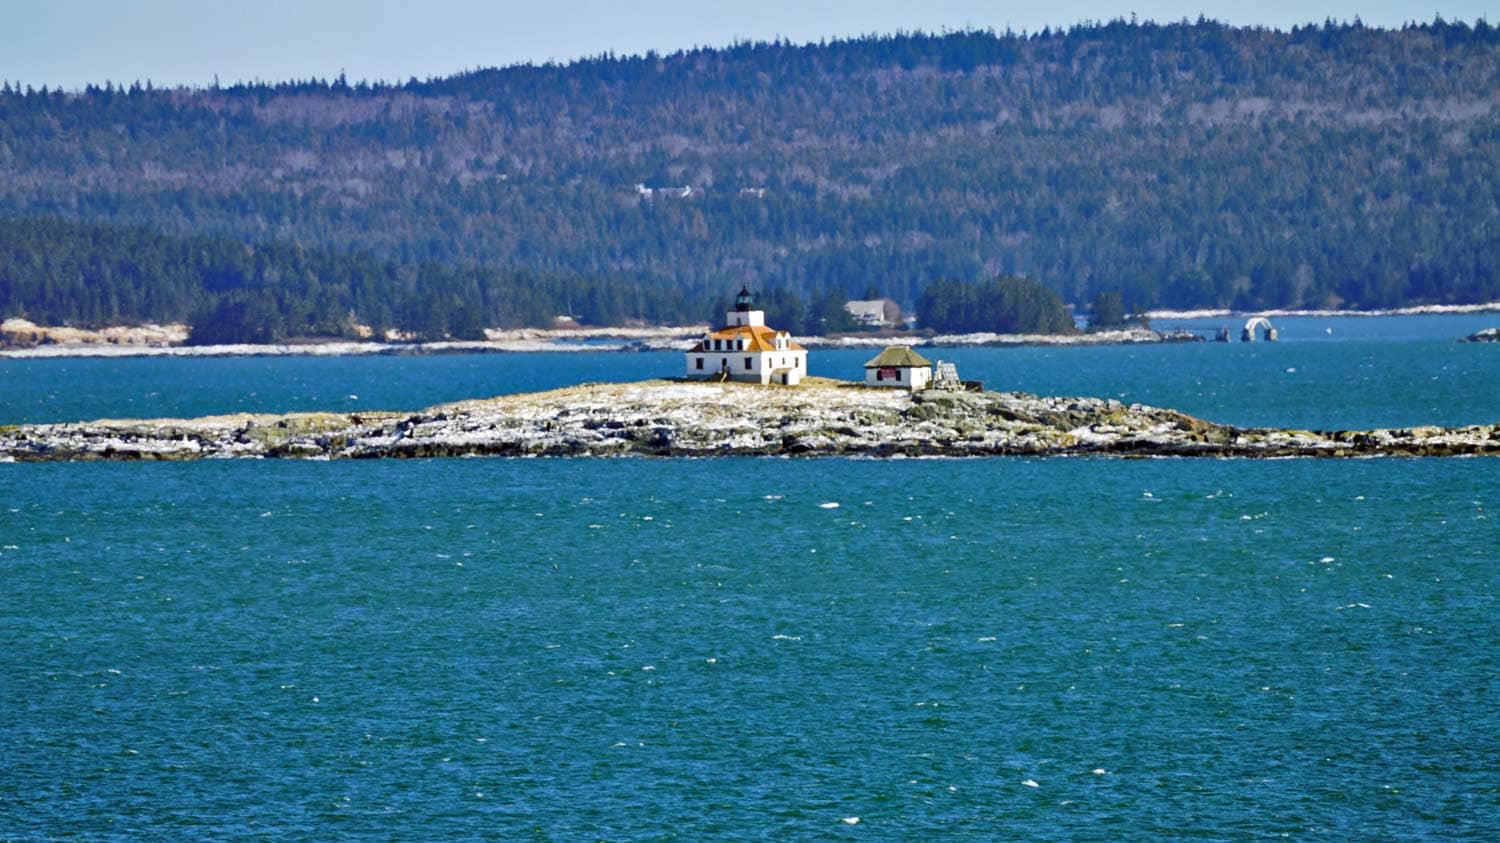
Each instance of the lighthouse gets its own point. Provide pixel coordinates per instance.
(746, 349)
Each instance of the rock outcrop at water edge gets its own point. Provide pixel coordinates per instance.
(687, 419)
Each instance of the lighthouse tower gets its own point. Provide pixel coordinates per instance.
(746, 349)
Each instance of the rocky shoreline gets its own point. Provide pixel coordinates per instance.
(692, 419)
(30, 341)
(22, 339)
(22, 334)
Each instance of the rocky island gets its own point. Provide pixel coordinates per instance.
(693, 419)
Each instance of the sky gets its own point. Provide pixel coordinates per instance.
(71, 43)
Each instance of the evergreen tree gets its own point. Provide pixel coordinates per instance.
(1107, 311)
(1190, 164)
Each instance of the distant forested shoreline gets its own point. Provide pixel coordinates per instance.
(1185, 165)
(58, 272)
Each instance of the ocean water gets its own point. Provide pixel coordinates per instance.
(1348, 372)
(698, 649)
(764, 648)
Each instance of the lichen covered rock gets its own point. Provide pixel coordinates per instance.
(673, 418)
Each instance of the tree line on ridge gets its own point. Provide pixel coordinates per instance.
(1181, 165)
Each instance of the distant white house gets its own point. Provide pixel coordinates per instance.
(745, 349)
(898, 367)
(687, 191)
(874, 313)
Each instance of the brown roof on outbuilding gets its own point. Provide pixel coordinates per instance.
(898, 357)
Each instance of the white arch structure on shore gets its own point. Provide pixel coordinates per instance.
(1256, 323)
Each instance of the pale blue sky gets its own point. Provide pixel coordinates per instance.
(70, 43)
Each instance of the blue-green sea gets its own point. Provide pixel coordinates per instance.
(1094, 649)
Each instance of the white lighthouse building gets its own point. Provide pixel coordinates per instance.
(745, 349)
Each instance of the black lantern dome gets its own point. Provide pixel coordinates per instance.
(744, 300)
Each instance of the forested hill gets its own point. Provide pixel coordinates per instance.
(1183, 165)
(57, 272)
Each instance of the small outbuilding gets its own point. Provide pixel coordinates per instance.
(899, 367)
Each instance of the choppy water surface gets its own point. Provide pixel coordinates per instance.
(695, 649)
(633, 648)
